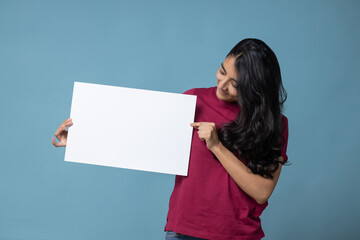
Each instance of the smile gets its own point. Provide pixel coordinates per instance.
(222, 92)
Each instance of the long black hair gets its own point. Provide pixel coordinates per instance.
(256, 133)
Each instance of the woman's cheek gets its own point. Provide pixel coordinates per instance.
(218, 76)
(234, 94)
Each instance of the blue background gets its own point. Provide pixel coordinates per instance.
(172, 46)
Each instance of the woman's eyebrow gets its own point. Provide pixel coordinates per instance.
(223, 67)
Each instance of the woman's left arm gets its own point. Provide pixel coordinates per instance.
(256, 186)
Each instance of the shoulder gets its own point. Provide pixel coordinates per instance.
(284, 119)
(199, 91)
(285, 134)
(284, 125)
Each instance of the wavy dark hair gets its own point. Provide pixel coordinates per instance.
(256, 133)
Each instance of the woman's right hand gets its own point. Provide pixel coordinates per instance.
(61, 133)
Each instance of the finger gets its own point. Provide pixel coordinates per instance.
(59, 131)
(53, 142)
(66, 124)
(69, 120)
(196, 125)
(59, 144)
(201, 136)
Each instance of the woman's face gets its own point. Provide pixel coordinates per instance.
(226, 80)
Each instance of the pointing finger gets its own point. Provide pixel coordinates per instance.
(195, 125)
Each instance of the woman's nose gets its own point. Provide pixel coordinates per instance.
(224, 83)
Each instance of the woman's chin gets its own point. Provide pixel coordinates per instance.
(225, 98)
(220, 96)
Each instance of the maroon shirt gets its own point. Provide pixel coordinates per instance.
(208, 203)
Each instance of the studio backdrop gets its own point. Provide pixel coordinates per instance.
(172, 46)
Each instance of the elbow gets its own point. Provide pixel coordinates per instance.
(262, 199)
(264, 195)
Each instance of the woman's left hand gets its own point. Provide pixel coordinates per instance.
(207, 132)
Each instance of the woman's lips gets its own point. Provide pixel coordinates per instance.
(222, 92)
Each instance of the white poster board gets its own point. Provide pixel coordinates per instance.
(130, 128)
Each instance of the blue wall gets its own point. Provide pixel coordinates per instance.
(172, 46)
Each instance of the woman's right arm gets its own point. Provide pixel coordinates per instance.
(61, 133)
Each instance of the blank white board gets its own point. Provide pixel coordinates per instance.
(130, 128)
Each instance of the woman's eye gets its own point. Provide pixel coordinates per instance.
(222, 73)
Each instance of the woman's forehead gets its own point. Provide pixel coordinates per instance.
(229, 66)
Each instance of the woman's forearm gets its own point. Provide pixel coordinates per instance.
(256, 186)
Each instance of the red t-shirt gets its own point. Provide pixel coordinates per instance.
(208, 203)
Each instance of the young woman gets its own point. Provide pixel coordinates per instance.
(238, 148)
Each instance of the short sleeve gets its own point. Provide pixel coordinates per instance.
(190, 92)
(285, 133)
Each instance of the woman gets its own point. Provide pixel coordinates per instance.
(238, 148)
